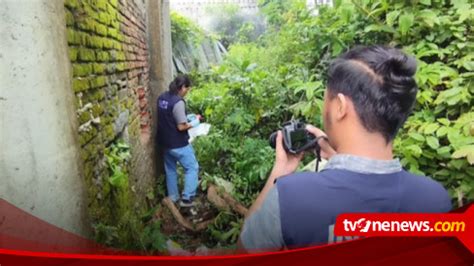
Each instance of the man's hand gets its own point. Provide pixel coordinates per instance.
(285, 163)
(326, 150)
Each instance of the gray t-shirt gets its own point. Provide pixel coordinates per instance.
(179, 113)
(262, 230)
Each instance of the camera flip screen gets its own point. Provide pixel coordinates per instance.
(298, 139)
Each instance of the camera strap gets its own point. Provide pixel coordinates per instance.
(317, 151)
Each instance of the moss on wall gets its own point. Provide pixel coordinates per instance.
(109, 59)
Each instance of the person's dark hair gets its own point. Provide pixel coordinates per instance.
(380, 82)
(178, 83)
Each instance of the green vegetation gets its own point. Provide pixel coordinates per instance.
(184, 30)
(128, 227)
(282, 75)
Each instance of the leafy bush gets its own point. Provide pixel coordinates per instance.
(282, 75)
(184, 30)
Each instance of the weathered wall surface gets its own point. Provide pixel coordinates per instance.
(39, 153)
(108, 51)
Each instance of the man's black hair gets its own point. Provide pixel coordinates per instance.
(380, 82)
(178, 83)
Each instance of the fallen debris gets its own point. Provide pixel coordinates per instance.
(184, 222)
(219, 196)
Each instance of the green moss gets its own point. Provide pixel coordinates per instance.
(86, 24)
(72, 36)
(117, 55)
(92, 31)
(95, 42)
(120, 37)
(73, 4)
(98, 81)
(86, 136)
(84, 117)
(100, 29)
(115, 24)
(89, 10)
(96, 95)
(120, 18)
(107, 119)
(104, 18)
(69, 18)
(101, 4)
(81, 70)
(99, 68)
(114, 3)
(93, 149)
(111, 9)
(117, 45)
(130, 103)
(73, 54)
(103, 56)
(111, 32)
(97, 110)
(84, 155)
(80, 84)
(120, 67)
(83, 38)
(88, 172)
(109, 132)
(108, 43)
(86, 54)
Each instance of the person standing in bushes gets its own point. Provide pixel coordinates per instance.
(173, 138)
(370, 94)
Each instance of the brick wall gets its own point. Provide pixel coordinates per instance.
(110, 62)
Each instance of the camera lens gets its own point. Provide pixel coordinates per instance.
(272, 140)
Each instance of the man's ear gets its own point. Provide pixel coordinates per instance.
(342, 106)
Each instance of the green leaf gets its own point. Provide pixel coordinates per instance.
(432, 142)
(444, 152)
(425, 2)
(458, 164)
(465, 151)
(442, 131)
(378, 28)
(122, 145)
(336, 48)
(416, 136)
(118, 179)
(405, 22)
(346, 13)
(444, 121)
(429, 17)
(392, 16)
(414, 150)
(431, 128)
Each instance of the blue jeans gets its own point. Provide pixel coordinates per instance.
(186, 158)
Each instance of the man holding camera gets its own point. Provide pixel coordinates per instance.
(370, 94)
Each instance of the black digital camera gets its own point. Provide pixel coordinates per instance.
(296, 138)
